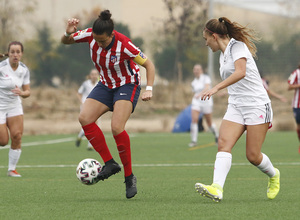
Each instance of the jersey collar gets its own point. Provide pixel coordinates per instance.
(111, 43)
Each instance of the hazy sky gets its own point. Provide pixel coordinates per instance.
(280, 7)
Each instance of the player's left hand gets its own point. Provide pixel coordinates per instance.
(147, 95)
(208, 93)
(17, 91)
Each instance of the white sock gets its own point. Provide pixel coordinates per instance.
(214, 130)
(81, 133)
(222, 167)
(266, 166)
(13, 158)
(194, 132)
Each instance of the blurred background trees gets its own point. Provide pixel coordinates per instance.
(176, 44)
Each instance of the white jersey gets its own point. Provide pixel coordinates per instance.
(85, 89)
(198, 84)
(248, 91)
(9, 79)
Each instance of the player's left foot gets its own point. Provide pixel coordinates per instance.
(78, 141)
(108, 170)
(213, 192)
(193, 144)
(131, 189)
(13, 173)
(274, 185)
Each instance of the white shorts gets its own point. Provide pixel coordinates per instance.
(205, 107)
(11, 112)
(249, 115)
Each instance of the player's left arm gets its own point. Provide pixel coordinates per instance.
(142, 60)
(24, 92)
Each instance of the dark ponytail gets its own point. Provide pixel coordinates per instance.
(104, 23)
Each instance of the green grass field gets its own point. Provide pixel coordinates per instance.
(166, 171)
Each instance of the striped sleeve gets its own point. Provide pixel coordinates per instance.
(83, 35)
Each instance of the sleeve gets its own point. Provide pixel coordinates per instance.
(238, 50)
(131, 50)
(82, 35)
(292, 78)
(81, 89)
(26, 79)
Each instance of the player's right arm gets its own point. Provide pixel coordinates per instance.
(67, 38)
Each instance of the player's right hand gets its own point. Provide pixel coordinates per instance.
(72, 25)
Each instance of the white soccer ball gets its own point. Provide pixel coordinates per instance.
(87, 171)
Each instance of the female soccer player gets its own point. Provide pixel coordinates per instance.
(201, 83)
(83, 92)
(14, 83)
(249, 106)
(294, 84)
(116, 59)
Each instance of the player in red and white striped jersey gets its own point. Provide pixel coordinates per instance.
(116, 58)
(294, 84)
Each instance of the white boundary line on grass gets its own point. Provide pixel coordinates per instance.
(157, 165)
(56, 141)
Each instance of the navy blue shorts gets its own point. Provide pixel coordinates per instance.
(297, 114)
(108, 97)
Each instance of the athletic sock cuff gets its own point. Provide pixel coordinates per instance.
(224, 155)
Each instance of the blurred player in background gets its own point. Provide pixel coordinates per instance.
(271, 92)
(83, 92)
(294, 84)
(201, 83)
(249, 107)
(116, 59)
(14, 83)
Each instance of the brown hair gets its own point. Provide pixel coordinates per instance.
(224, 27)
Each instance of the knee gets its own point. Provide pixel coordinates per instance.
(16, 137)
(83, 119)
(222, 145)
(116, 128)
(254, 158)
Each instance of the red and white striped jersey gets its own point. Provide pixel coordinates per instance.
(114, 63)
(293, 80)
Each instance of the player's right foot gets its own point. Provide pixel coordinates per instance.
(192, 144)
(78, 141)
(274, 185)
(131, 189)
(13, 173)
(213, 192)
(108, 170)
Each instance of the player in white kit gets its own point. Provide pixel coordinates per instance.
(14, 83)
(83, 92)
(249, 107)
(201, 83)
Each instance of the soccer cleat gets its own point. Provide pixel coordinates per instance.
(213, 192)
(192, 144)
(274, 185)
(216, 139)
(13, 173)
(299, 150)
(108, 170)
(131, 189)
(78, 141)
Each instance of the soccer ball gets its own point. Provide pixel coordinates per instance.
(87, 171)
